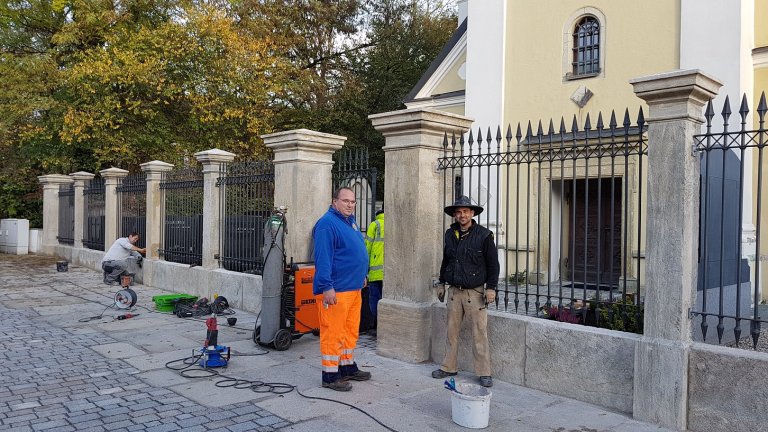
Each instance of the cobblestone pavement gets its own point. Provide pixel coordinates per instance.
(53, 380)
(63, 371)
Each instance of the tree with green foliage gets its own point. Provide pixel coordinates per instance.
(89, 84)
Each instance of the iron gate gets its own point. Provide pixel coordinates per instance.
(352, 170)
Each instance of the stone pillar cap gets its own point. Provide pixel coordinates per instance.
(674, 85)
(55, 179)
(305, 138)
(214, 156)
(82, 175)
(113, 172)
(156, 165)
(426, 120)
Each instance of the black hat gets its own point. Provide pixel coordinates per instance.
(463, 201)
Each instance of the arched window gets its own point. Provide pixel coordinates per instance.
(586, 47)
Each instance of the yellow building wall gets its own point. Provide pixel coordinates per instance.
(761, 23)
(641, 38)
(537, 90)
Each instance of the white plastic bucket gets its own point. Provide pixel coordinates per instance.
(471, 406)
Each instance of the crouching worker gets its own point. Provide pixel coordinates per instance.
(341, 264)
(115, 261)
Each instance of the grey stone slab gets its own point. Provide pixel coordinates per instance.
(118, 350)
(157, 360)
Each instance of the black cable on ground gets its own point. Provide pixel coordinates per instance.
(91, 318)
(227, 381)
(349, 405)
(187, 363)
(95, 317)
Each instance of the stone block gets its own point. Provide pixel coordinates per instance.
(404, 330)
(661, 382)
(585, 363)
(728, 389)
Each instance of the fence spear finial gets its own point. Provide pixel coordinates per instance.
(627, 121)
(762, 107)
(744, 108)
(726, 113)
(489, 139)
(529, 133)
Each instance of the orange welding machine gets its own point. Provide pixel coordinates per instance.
(305, 305)
(299, 309)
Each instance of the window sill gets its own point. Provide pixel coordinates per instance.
(571, 77)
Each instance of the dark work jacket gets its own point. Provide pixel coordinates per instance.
(470, 262)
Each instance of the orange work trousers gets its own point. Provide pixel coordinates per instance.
(339, 325)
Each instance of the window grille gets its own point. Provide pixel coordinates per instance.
(586, 47)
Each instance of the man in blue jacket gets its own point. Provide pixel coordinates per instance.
(341, 265)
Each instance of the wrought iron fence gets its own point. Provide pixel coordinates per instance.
(728, 299)
(566, 209)
(93, 223)
(247, 197)
(183, 216)
(132, 211)
(352, 170)
(66, 215)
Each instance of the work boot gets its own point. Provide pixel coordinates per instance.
(486, 381)
(338, 385)
(440, 374)
(358, 376)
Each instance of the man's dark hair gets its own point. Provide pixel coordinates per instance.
(336, 192)
(133, 234)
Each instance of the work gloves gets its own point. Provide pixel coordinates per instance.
(490, 296)
(441, 293)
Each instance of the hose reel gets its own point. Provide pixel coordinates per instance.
(125, 298)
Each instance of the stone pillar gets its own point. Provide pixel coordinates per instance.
(154, 224)
(51, 183)
(112, 178)
(676, 100)
(214, 161)
(303, 183)
(413, 248)
(80, 178)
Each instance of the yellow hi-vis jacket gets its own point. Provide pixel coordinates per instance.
(374, 243)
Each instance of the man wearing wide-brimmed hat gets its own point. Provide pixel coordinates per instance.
(471, 269)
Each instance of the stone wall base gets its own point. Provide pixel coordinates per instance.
(404, 330)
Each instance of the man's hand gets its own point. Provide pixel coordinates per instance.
(441, 292)
(490, 296)
(329, 297)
